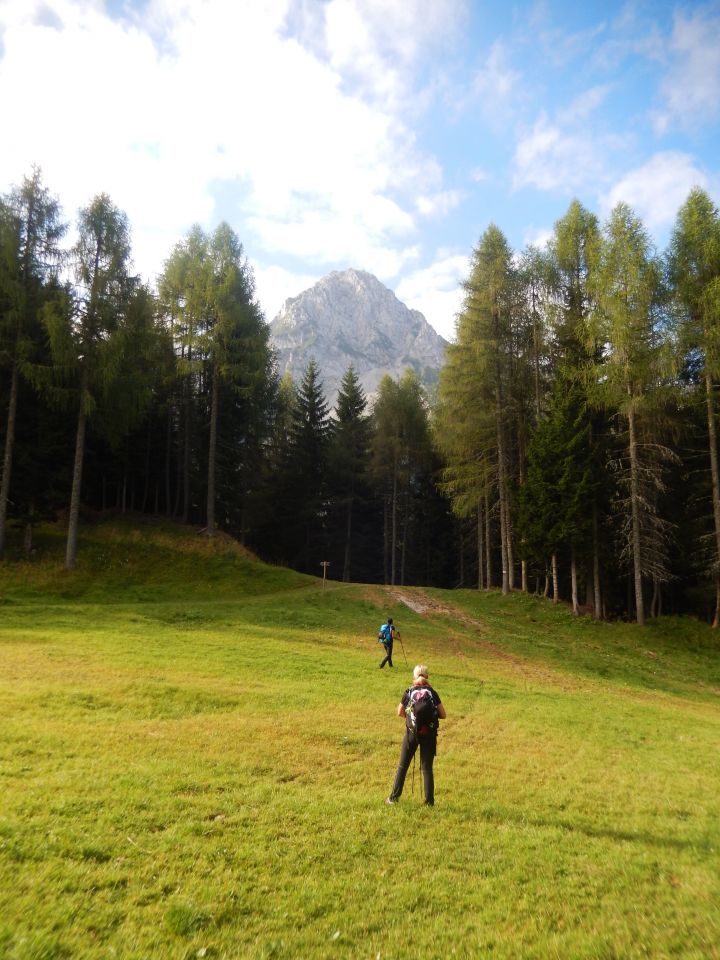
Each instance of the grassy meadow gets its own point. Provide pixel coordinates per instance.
(195, 749)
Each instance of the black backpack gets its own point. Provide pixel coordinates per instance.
(421, 712)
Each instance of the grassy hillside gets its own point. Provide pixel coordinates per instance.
(195, 749)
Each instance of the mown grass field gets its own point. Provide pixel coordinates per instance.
(195, 750)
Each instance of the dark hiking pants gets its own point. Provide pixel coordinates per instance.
(388, 655)
(428, 748)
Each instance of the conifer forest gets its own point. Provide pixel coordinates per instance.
(569, 449)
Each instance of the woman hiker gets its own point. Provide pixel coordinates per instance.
(422, 709)
(386, 636)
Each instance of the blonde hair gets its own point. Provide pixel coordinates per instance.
(420, 671)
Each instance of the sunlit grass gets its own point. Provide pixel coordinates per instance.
(184, 774)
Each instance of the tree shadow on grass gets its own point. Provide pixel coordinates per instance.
(596, 832)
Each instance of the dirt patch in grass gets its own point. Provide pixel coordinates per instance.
(427, 606)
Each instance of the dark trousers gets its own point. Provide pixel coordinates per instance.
(388, 655)
(428, 749)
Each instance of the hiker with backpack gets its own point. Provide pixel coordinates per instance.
(386, 636)
(423, 710)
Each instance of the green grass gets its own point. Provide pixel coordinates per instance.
(195, 749)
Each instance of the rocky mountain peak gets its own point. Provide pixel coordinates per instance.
(350, 317)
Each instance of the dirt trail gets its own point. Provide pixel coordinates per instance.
(426, 606)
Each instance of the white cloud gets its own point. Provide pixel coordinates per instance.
(496, 89)
(585, 104)
(559, 46)
(496, 79)
(202, 97)
(436, 291)
(657, 189)
(274, 285)
(377, 44)
(550, 158)
(438, 204)
(691, 88)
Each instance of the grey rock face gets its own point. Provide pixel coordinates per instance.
(350, 317)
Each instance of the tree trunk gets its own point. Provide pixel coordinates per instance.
(634, 506)
(488, 544)
(655, 603)
(186, 451)
(179, 469)
(8, 456)
(573, 582)
(393, 544)
(74, 517)
(212, 447)
(168, 463)
(524, 576)
(348, 540)
(715, 479)
(28, 538)
(503, 548)
(403, 551)
(461, 557)
(505, 554)
(597, 599)
(556, 589)
(480, 545)
(386, 543)
(146, 486)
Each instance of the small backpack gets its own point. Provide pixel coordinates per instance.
(385, 633)
(421, 712)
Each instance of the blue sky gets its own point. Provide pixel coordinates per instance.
(377, 134)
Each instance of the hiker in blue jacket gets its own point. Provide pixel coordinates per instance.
(386, 636)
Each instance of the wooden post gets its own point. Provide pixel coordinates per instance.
(324, 564)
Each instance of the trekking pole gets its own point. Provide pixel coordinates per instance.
(402, 648)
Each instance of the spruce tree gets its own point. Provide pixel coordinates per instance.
(308, 470)
(349, 453)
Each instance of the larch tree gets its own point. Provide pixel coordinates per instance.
(478, 386)
(184, 290)
(553, 503)
(694, 267)
(83, 337)
(574, 249)
(627, 381)
(30, 233)
(400, 449)
(235, 338)
(464, 430)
